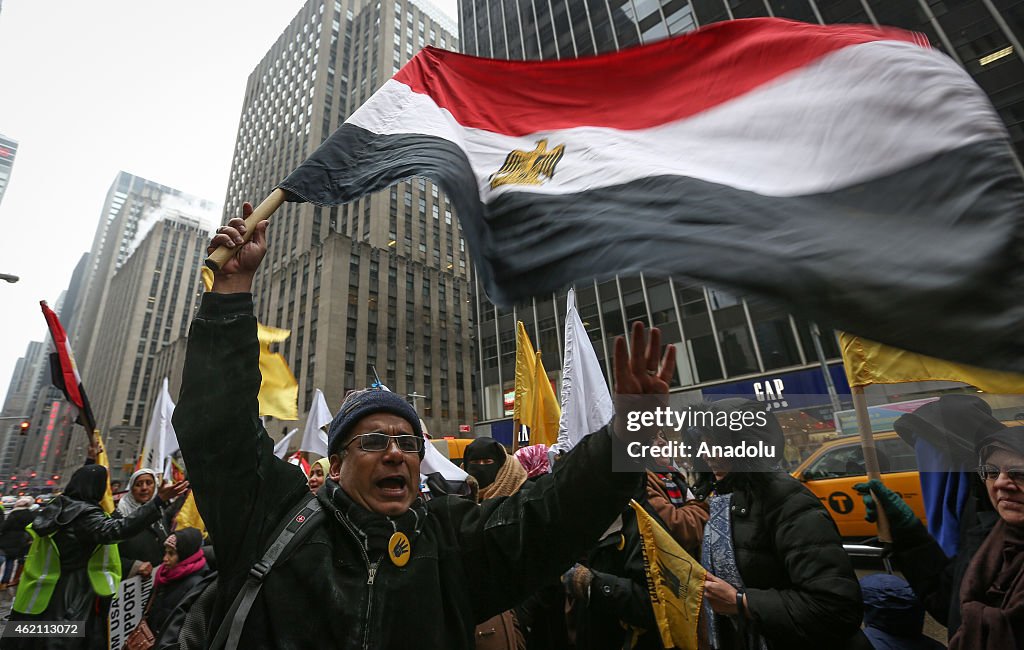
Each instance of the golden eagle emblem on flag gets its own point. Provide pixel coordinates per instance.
(527, 167)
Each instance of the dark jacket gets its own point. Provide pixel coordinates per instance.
(14, 541)
(619, 604)
(800, 584)
(468, 561)
(936, 579)
(170, 633)
(78, 527)
(148, 544)
(167, 597)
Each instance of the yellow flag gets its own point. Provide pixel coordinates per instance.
(526, 374)
(107, 502)
(546, 411)
(279, 390)
(675, 582)
(188, 516)
(868, 362)
(535, 405)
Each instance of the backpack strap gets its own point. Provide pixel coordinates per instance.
(290, 536)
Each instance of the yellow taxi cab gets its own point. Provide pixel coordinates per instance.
(832, 471)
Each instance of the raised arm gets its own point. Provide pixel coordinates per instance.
(98, 528)
(513, 546)
(240, 486)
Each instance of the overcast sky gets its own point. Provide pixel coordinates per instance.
(92, 88)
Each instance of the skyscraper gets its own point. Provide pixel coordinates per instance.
(726, 343)
(30, 373)
(152, 299)
(381, 283)
(130, 200)
(8, 150)
(114, 351)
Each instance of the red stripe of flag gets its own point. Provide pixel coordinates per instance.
(651, 85)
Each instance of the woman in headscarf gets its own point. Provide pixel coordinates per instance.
(75, 528)
(535, 460)
(777, 573)
(497, 473)
(14, 541)
(144, 550)
(318, 474)
(184, 566)
(979, 593)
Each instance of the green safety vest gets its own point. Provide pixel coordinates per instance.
(42, 570)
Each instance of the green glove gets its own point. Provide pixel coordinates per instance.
(899, 513)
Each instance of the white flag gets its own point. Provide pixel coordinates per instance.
(161, 440)
(313, 438)
(586, 402)
(281, 448)
(434, 461)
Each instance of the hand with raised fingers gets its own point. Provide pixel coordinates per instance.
(641, 369)
(642, 378)
(237, 273)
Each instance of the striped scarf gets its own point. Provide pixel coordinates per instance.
(672, 490)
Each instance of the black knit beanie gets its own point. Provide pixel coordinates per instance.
(366, 402)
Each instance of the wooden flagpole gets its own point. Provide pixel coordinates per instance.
(262, 212)
(867, 443)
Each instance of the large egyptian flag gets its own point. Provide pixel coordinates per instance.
(850, 173)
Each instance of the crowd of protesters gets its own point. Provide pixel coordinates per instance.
(544, 551)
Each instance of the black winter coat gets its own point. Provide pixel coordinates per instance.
(148, 544)
(619, 603)
(170, 635)
(78, 527)
(936, 579)
(14, 541)
(469, 562)
(800, 584)
(166, 598)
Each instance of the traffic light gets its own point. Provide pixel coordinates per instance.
(23, 427)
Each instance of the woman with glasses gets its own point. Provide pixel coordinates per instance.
(980, 591)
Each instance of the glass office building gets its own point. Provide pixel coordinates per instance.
(726, 343)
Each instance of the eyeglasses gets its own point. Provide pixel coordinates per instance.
(377, 441)
(991, 473)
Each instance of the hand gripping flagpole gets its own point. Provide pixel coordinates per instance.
(867, 441)
(262, 212)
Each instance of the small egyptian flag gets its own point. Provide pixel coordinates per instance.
(64, 370)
